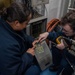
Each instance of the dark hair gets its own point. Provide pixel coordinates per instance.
(16, 11)
(69, 18)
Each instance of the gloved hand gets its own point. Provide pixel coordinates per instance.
(62, 45)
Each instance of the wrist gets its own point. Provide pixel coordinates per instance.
(47, 33)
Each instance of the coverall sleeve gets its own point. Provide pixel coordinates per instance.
(13, 61)
(53, 35)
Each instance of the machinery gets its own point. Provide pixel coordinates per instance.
(4, 4)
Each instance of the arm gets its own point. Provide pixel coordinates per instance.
(53, 35)
(12, 61)
(49, 35)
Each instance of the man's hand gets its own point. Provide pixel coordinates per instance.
(43, 36)
(31, 51)
(36, 41)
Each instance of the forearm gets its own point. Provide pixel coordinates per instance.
(26, 61)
